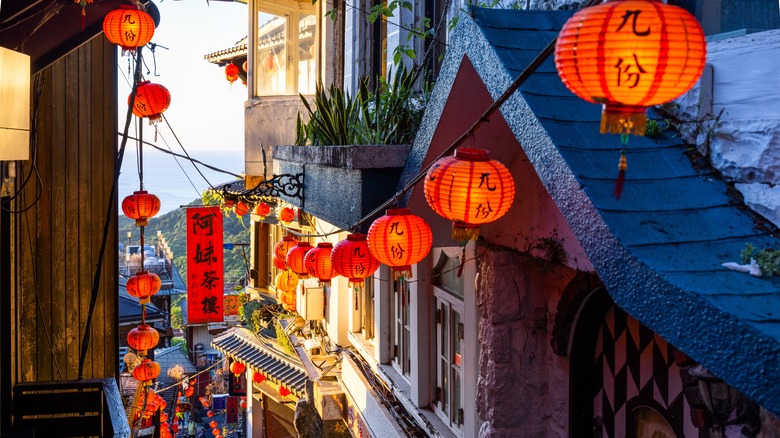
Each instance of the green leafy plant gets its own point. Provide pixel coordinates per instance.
(768, 259)
(181, 343)
(283, 340)
(654, 128)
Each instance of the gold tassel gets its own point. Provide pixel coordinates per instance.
(462, 231)
(623, 120)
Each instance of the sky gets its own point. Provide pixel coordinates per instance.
(206, 111)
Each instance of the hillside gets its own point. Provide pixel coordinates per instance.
(173, 227)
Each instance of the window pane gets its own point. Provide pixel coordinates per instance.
(455, 395)
(271, 69)
(456, 341)
(445, 387)
(307, 52)
(445, 275)
(445, 330)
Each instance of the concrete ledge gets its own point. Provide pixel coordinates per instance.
(346, 157)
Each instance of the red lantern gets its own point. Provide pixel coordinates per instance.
(190, 391)
(287, 214)
(128, 27)
(317, 262)
(141, 206)
(262, 209)
(296, 257)
(209, 413)
(283, 246)
(400, 239)
(231, 72)
(244, 67)
(215, 432)
(469, 189)
(268, 62)
(147, 370)
(151, 100)
(279, 263)
(143, 285)
(258, 377)
(286, 281)
(143, 338)
(240, 208)
(237, 368)
(628, 55)
(284, 392)
(289, 301)
(213, 424)
(352, 259)
(175, 427)
(164, 418)
(242, 404)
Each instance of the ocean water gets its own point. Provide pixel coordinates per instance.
(167, 179)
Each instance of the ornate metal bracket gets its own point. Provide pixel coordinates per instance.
(287, 185)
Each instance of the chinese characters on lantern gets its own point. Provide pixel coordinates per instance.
(205, 271)
(629, 71)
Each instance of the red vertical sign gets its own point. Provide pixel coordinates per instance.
(205, 269)
(231, 410)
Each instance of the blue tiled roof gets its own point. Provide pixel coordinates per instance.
(659, 248)
(243, 345)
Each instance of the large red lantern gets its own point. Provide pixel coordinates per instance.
(262, 209)
(283, 246)
(143, 285)
(240, 208)
(231, 72)
(284, 392)
(286, 281)
(215, 432)
(209, 413)
(317, 262)
(279, 263)
(469, 189)
(242, 404)
(141, 206)
(213, 424)
(143, 338)
(286, 214)
(351, 258)
(151, 100)
(296, 257)
(128, 27)
(258, 377)
(237, 368)
(400, 239)
(147, 370)
(628, 55)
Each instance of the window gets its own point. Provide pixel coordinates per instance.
(367, 308)
(287, 48)
(401, 330)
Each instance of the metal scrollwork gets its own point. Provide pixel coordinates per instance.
(287, 185)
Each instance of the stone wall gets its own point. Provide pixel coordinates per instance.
(522, 388)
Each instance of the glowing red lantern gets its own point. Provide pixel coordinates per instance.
(244, 66)
(262, 209)
(296, 257)
(469, 189)
(237, 368)
(231, 72)
(164, 418)
(352, 259)
(400, 239)
(628, 55)
(284, 392)
(287, 214)
(143, 285)
(128, 27)
(143, 338)
(175, 427)
(215, 432)
(151, 100)
(286, 281)
(283, 246)
(317, 262)
(242, 404)
(289, 301)
(279, 263)
(258, 377)
(209, 413)
(141, 206)
(147, 370)
(240, 208)
(213, 424)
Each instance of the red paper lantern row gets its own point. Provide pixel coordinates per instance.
(351, 258)
(258, 377)
(296, 257)
(240, 208)
(237, 368)
(317, 262)
(146, 371)
(283, 246)
(215, 432)
(213, 424)
(279, 263)
(284, 392)
(628, 55)
(142, 339)
(287, 214)
(242, 404)
(262, 209)
(231, 72)
(469, 189)
(400, 239)
(286, 281)
(209, 413)
(143, 285)
(141, 206)
(151, 100)
(128, 27)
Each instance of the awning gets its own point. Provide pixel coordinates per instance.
(243, 345)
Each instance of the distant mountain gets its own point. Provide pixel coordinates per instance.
(173, 226)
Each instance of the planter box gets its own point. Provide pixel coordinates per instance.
(341, 184)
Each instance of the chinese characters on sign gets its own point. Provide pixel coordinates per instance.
(231, 410)
(205, 271)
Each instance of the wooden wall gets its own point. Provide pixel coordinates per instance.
(56, 242)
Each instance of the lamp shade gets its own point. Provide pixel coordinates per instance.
(151, 100)
(287, 214)
(258, 377)
(469, 189)
(141, 206)
(262, 209)
(231, 72)
(283, 246)
(286, 281)
(143, 338)
(399, 239)
(142, 285)
(147, 370)
(128, 27)
(317, 262)
(279, 263)
(237, 368)
(284, 392)
(628, 55)
(240, 208)
(351, 258)
(296, 257)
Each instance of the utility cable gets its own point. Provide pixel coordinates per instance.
(187, 157)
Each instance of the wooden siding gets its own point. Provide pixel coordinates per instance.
(57, 241)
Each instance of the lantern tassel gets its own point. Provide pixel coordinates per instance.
(623, 119)
(462, 231)
(622, 166)
(402, 272)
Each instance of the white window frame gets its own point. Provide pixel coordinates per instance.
(401, 320)
(444, 404)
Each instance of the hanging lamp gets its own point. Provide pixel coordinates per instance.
(400, 239)
(237, 368)
(317, 262)
(296, 257)
(351, 258)
(231, 72)
(286, 281)
(146, 371)
(142, 339)
(240, 208)
(283, 246)
(286, 215)
(151, 100)
(262, 209)
(128, 27)
(141, 206)
(142, 285)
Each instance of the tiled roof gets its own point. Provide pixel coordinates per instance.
(243, 345)
(659, 248)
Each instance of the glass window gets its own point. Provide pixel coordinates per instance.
(367, 308)
(445, 275)
(448, 401)
(402, 330)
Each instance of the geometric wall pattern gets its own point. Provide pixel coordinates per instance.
(635, 368)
